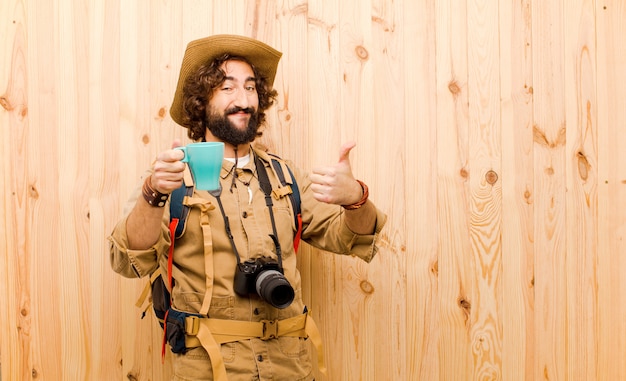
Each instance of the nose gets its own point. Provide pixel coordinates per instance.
(241, 98)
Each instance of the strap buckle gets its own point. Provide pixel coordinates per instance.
(270, 329)
(192, 325)
(279, 193)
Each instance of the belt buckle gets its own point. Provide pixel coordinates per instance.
(270, 329)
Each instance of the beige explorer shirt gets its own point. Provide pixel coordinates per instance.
(283, 358)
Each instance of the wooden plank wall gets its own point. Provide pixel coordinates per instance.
(491, 132)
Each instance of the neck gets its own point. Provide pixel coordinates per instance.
(229, 149)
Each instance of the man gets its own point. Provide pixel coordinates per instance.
(217, 331)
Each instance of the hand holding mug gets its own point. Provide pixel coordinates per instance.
(168, 170)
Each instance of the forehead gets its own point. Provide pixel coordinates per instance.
(237, 70)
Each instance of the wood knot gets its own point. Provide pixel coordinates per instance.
(367, 287)
(435, 268)
(145, 139)
(454, 87)
(466, 307)
(4, 102)
(361, 52)
(464, 173)
(285, 115)
(491, 177)
(161, 113)
(527, 196)
(583, 166)
(33, 192)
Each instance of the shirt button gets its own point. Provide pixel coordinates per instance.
(256, 311)
(260, 358)
(244, 214)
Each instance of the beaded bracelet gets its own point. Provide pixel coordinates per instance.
(363, 199)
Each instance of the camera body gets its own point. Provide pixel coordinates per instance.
(264, 276)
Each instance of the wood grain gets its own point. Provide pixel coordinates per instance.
(491, 133)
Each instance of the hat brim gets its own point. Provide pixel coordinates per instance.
(262, 56)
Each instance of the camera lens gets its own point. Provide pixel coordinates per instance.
(274, 288)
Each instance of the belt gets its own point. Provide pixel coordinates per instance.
(209, 333)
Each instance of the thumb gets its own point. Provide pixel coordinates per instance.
(176, 143)
(344, 152)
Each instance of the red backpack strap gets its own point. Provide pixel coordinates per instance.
(170, 283)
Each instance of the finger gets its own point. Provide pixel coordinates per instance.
(344, 152)
(322, 171)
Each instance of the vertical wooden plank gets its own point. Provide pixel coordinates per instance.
(485, 186)
(582, 183)
(131, 73)
(550, 188)
(104, 331)
(323, 97)
(72, 181)
(455, 269)
(15, 288)
(611, 103)
(420, 229)
(517, 190)
(381, 129)
(43, 219)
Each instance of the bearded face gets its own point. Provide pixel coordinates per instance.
(222, 128)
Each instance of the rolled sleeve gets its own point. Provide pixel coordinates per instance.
(136, 263)
(365, 246)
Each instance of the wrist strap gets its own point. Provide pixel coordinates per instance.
(153, 197)
(363, 199)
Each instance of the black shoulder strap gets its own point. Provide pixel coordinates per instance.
(178, 209)
(294, 196)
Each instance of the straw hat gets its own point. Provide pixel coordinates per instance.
(262, 56)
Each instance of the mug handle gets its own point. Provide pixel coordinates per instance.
(185, 159)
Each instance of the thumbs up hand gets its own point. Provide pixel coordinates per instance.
(335, 184)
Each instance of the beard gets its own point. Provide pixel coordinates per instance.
(223, 129)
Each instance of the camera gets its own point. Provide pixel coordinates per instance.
(264, 276)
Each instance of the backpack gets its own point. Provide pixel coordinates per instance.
(161, 297)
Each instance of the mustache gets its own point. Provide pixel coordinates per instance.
(234, 110)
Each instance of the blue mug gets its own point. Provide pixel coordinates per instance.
(205, 161)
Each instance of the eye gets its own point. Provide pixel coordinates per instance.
(251, 88)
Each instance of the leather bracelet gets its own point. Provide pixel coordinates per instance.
(363, 199)
(153, 197)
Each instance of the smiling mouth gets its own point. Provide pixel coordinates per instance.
(240, 111)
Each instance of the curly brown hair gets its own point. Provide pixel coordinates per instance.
(199, 89)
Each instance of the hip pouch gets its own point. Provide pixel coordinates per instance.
(175, 329)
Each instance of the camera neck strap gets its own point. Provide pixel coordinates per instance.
(266, 187)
